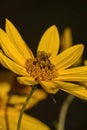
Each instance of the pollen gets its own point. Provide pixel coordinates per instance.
(41, 68)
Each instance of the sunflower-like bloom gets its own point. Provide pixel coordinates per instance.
(49, 69)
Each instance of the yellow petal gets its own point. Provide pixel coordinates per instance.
(49, 86)
(66, 39)
(74, 89)
(16, 38)
(75, 77)
(28, 122)
(9, 49)
(84, 83)
(11, 65)
(73, 74)
(66, 42)
(78, 62)
(49, 42)
(76, 70)
(26, 80)
(68, 57)
(85, 62)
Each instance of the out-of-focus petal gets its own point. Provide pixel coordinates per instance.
(6, 79)
(28, 122)
(17, 100)
(85, 62)
(66, 39)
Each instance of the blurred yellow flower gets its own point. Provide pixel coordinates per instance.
(28, 122)
(9, 87)
(9, 109)
(48, 69)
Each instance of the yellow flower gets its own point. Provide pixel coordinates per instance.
(48, 69)
(28, 122)
(9, 87)
(12, 114)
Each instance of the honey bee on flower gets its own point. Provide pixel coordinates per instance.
(50, 69)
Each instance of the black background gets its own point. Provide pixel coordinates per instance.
(32, 18)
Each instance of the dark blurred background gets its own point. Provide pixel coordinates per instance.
(32, 18)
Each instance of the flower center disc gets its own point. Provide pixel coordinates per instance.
(40, 68)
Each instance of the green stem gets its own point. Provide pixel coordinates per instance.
(23, 108)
